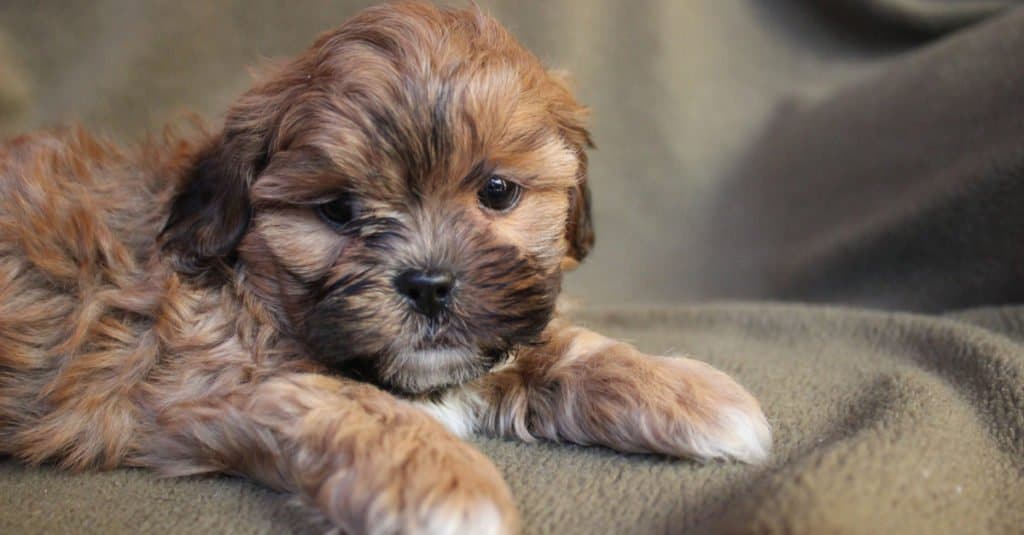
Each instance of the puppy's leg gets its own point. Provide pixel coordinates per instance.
(367, 461)
(585, 388)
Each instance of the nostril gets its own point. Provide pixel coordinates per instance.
(443, 283)
(403, 284)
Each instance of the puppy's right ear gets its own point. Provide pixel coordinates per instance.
(212, 210)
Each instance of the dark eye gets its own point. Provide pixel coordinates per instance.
(499, 194)
(339, 211)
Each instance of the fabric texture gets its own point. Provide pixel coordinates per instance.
(866, 156)
(901, 191)
(883, 422)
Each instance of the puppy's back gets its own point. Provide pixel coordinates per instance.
(71, 201)
(78, 220)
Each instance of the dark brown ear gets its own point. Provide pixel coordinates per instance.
(579, 228)
(212, 211)
(571, 118)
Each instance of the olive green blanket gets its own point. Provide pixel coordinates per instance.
(884, 423)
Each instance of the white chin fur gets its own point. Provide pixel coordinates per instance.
(426, 369)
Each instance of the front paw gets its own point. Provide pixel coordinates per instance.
(681, 407)
(710, 416)
(428, 484)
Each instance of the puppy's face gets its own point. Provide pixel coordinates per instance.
(412, 188)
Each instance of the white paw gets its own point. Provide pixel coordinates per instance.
(483, 518)
(735, 433)
(722, 420)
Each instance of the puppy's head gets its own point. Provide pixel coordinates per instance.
(404, 196)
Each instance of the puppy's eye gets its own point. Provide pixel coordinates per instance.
(340, 211)
(499, 194)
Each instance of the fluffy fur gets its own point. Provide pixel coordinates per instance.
(185, 307)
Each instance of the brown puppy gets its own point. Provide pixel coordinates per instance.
(360, 266)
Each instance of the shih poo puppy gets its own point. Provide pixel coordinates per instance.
(359, 268)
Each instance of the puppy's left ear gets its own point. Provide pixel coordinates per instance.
(571, 116)
(579, 228)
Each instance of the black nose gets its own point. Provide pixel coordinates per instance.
(429, 291)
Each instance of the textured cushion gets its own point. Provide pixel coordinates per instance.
(883, 423)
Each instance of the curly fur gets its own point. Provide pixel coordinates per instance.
(180, 305)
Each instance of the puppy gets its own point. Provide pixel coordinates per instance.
(359, 268)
